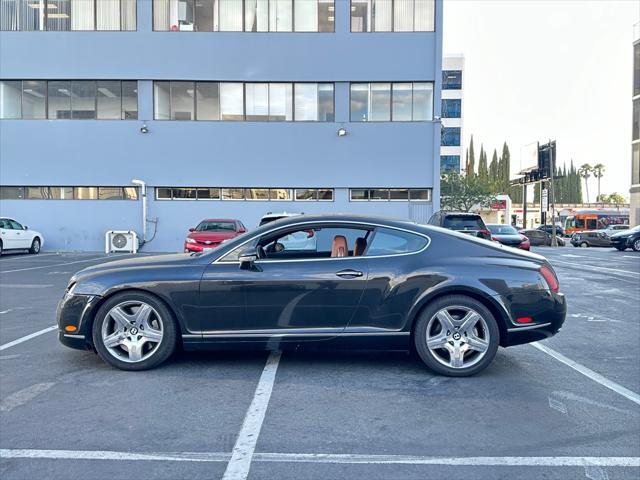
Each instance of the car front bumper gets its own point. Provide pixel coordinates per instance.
(74, 315)
(198, 247)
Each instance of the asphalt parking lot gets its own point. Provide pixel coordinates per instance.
(566, 408)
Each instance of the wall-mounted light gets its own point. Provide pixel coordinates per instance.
(342, 132)
(144, 128)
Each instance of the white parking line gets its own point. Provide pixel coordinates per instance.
(325, 458)
(596, 269)
(28, 337)
(16, 257)
(53, 265)
(596, 377)
(23, 396)
(240, 463)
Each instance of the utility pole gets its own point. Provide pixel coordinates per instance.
(524, 206)
(552, 167)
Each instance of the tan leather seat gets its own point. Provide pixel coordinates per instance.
(339, 246)
(359, 247)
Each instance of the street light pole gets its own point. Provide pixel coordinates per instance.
(552, 167)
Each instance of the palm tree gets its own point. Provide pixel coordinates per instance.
(585, 172)
(598, 172)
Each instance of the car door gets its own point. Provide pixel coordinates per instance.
(8, 234)
(23, 237)
(301, 293)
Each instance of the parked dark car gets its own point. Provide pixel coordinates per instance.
(366, 283)
(627, 239)
(464, 222)
(541, 238)
(591, 238)
(211, 233)
(508, 235)
(549, 229)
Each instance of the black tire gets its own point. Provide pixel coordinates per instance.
(636, 245)
(35, 246)
(584, 245)
(163, 350)
(621, 249)
(420, 335)
(0, 247)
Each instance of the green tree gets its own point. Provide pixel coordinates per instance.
(483, 170)
(470, 167)
(493, 169)
(615, 198)
(585, 172)
(462, 193)
(598, 173)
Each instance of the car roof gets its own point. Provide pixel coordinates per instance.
(461, 214)
(220, 220)
(344, 217)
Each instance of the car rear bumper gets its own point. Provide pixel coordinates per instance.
(74, 315)
(547, 314)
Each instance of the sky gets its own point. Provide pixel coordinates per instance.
(548, 69)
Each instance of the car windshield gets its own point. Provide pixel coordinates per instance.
(502, 229)
(463, 222)
(215, 226)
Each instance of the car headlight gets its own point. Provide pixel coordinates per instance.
(190, 240)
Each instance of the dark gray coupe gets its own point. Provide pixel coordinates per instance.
(334, 280)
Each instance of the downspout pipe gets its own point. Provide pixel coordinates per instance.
(143, 192)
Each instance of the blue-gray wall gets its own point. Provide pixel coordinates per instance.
(228, 154)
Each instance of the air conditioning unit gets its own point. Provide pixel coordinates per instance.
(121, 241)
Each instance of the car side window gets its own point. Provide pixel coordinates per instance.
(314, 242)
(15, 225)
(4, 224)
(388, 241)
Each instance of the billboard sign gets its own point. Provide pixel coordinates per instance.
(529, 158)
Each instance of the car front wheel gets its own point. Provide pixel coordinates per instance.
(134, 331)
(636, 245)
(35, 246)
(584, 245)
(456, 336)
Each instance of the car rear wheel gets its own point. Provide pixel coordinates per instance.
(636, 245)
(134, 331)
(456, 336)
(35, 246)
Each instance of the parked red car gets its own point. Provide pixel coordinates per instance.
(212, 232)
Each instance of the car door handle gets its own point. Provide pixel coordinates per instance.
(349, 273)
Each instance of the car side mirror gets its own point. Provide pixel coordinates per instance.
(242, 230)
(25, 227)
(192, 229)
(247, 258)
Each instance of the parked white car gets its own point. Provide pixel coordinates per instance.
(14, 236)
(611, 229)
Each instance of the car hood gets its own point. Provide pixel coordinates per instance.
(141, 262)
(508, 237)
(622, 234)
(215, 237)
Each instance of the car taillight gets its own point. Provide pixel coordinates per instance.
(551, 278)
(486, 233)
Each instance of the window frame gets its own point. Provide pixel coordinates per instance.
(393, 23)
(391, 96)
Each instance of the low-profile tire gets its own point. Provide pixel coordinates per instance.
(636, 245)
(584, 245)
(134, 331)
(35, 246)
(442, 348)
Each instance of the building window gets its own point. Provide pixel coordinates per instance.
(250, 194)
(451, 108)
(392, 15)
(389, 194)
(396, 102)
(68, 193)
(64, 99)
(68, 15)
(252, 102)
(452, 80)
(635, 127)
(636, 69)
(449, 163)
(244, 15)
(450, 137)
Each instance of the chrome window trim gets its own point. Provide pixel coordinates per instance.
(346, 222)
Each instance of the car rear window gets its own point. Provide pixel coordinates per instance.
(388, 241)
(502, 229)
(463, 222)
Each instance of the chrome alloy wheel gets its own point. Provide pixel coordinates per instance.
(132, 331)
(458, 337)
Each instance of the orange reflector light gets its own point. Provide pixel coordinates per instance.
(70, 328)
(524, 320)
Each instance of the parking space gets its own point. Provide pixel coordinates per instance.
(326, 414)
